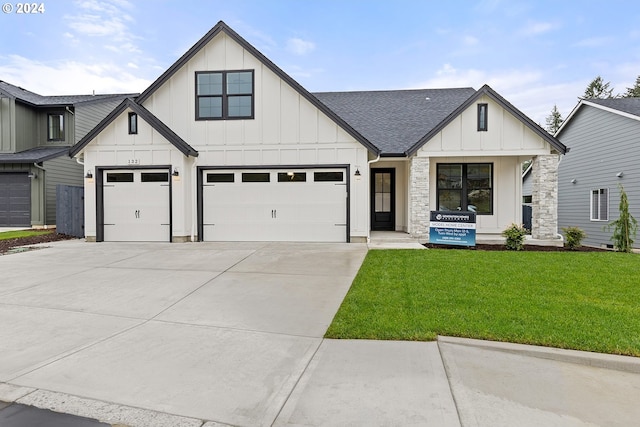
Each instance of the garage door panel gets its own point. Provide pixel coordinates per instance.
(275, 211)
(15, 199)
(137, 210)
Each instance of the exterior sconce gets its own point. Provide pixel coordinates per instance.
(573, 181)
(32, 175)
(357, 172)
(89, 175)
(175, 172)
(620, 174)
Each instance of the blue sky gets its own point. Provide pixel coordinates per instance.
(534, 53)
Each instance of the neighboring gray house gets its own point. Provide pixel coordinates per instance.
(35, 135)
(604, 137)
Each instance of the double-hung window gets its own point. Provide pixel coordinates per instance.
(224, 95)
(465, 187)
(600, 204)
(55, 127)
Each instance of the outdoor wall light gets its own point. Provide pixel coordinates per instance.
(573, 181)
(32, 175)
(175, 172)
(89, 175)
(357, 172)
(620, 174)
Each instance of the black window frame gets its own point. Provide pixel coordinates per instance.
(483, 117)
(133, 124)
(464, 186)
(61, 135)
(225, 96)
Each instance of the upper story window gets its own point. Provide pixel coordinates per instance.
(133, 123)
(483, 110)
(224, 95)
(55, 127)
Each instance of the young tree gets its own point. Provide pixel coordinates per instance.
(634, 91)
(598, 89)
(554, 120)
(625, 227)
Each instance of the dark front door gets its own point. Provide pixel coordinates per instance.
(383, 199)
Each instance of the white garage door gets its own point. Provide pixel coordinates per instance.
(136, 205)
(307, 205)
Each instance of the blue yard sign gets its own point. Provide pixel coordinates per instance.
(453, 228)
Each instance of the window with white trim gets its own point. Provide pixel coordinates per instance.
(55, 127)
(600, 204)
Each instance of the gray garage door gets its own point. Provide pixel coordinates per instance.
(15, 200)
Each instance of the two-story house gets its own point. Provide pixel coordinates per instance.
(35, 135)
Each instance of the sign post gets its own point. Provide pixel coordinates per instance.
(453, 228)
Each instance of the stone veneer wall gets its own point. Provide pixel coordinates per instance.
(544, 223)
(419, 197)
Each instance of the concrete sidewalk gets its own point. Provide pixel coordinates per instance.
(231, 334)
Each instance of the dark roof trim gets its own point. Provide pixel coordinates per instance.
(147, 116)
(221, 26)
(34, 155)
(486, 90)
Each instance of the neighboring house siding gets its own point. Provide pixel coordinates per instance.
(527, 185)
(89, 114)
(7, 107)
(27, 129)
(61, 170)
(602, 144)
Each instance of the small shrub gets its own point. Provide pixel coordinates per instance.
(574, 236)
(515, 235)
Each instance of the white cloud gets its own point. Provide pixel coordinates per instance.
(102, 19)
(536, 28)
(470, 41)
(69, 77)
(593, 42)
(300, 47)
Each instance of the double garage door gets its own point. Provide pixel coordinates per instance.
(15, 200)
(298, 205)
(306, 205)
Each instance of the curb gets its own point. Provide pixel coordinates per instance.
(597, 360)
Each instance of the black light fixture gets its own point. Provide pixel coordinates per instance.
(32, 175)
(89, 175)
(357, 172)
(175, 172)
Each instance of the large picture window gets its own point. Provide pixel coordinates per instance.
(465, 187)
(55, 127)
(600, 204)
(224, 95)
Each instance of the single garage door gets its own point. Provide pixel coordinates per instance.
(15, 200)
(308, 205)
(136, 205)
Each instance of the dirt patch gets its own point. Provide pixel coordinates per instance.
(527, 248)
(10, 245)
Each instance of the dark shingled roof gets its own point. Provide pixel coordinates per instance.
(395, 120)
(34, 155)
(34, 99)
(626, 105)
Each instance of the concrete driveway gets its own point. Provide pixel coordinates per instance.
(198, 332)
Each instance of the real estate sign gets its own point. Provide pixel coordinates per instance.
(453, 228)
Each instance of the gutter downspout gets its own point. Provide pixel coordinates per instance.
(194, 201)
(369, 163)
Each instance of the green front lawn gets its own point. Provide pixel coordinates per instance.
(6, 235)
(584, 301)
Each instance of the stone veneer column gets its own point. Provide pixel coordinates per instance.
(544, 222)
(419, 197)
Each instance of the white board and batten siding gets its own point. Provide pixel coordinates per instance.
(286, 130)
(506, 144)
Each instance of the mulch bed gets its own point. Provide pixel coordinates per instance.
(11, 244)
(527, 248)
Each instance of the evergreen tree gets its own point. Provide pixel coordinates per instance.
(598, 89)
(554, 120)
(625, 227)
(634, 91)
